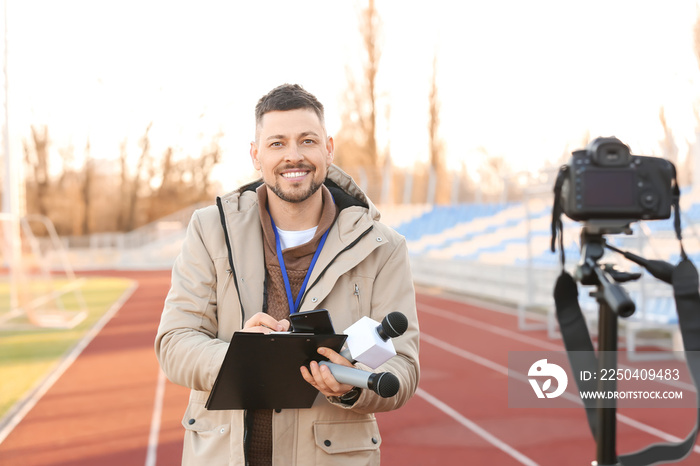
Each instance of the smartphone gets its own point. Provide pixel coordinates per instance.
(317, 322)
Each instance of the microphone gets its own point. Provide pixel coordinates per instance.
(393, 325)
(384, 384)
(369, 341)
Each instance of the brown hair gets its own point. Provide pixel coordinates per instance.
(287, 97)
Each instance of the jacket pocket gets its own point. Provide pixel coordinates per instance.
(362, 296)
(347, 442)
(207, 435)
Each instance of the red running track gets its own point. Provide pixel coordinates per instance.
(111, 407)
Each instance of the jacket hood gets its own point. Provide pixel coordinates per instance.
(345, 191)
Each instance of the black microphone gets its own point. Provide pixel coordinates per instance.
(384, 384)
(393, 325)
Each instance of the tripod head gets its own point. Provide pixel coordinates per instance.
(605, 277)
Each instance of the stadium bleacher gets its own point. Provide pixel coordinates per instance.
(519, 236)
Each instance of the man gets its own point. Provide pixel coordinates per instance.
(243, 267)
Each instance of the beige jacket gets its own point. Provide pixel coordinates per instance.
(363, 270)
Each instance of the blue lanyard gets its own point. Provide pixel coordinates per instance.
(294, 305)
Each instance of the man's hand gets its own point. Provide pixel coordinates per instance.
(321, 377)
(265, 323)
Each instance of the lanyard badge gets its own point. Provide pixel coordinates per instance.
(295, 304)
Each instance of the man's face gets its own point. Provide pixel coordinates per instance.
(293, 153)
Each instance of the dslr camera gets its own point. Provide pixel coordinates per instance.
(604, 181)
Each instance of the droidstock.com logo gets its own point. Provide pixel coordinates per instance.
(545, 372)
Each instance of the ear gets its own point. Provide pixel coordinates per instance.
(330, 147)
(254, 155)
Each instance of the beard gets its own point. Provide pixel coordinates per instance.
(296, 195)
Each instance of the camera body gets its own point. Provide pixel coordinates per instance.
(605, 181)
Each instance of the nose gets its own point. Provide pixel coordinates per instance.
(294, 154)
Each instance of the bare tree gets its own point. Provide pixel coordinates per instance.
(152, 189)
(168, 183)
(463, 187)
(123, 204)
(136, 181)
(36, 157)
(370, 28)
(357, 149)
(184, 180)
(439, 183)
(436, 144)
(88, 175)
(204, 166)
(493, 173)
(67, 154)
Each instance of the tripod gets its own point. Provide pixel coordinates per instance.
(613, 301)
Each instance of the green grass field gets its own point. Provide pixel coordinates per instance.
(28, 353)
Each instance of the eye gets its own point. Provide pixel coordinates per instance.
(276, 144)
(309, 141)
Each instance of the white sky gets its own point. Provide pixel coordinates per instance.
(517, 79)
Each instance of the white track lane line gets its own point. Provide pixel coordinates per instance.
(152, 452)
(475, 428)
(453, 317)
(24, 406)
(504, 370)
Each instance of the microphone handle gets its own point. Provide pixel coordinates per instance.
(351, 376)
(363, 379)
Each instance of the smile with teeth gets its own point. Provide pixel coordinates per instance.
(298, 174)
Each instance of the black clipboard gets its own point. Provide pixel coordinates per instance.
(261, 371)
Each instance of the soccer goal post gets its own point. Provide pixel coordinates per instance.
(34, 292)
